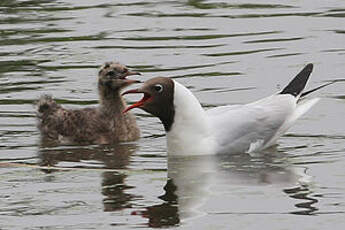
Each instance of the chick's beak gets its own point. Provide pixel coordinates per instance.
(129, 73)
(129, 82)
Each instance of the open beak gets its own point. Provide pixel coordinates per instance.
(129, 73)
(129, 82)
(132, 73)
(140, 103)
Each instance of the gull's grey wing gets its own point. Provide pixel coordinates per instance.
(250, 127)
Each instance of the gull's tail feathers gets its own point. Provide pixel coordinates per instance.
(301, 108)
(297, 85)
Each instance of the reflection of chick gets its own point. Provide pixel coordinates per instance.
(116, 192)
(104, 124)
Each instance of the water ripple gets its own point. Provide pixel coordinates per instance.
(307, 203)
(274, 40)
(60, 101)
(157, 69)
(241, 52)
(203, 5)
(199, 37)
(52, 39)
(284, 55)
(55, 46)
(207, 74)
(149, 47)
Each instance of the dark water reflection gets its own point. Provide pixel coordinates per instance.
(106, 157)
(226, 53)
(194, 182)
(114, 190)
(165, 214)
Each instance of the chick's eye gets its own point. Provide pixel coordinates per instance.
(158, 88)
(111, 73)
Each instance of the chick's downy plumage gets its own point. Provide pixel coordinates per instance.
(104, 124)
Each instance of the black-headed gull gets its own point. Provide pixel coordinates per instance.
(191, 130)
(104, 124)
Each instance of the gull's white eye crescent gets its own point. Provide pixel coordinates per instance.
(158, 88)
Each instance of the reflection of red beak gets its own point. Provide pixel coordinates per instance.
(140, 103)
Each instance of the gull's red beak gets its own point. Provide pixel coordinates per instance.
(140, 103)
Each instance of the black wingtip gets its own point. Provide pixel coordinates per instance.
(317, 88)
(296, 86)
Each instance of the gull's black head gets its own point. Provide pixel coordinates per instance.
(158, 99)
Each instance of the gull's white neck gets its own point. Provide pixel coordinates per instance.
(190, 132)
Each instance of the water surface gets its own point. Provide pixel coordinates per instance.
(226, 53)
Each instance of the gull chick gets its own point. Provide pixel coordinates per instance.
(104, 124)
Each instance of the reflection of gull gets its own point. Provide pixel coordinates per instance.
(193, 177)
(268, 167)
(185, 191)
(199, 186)
(302, 193)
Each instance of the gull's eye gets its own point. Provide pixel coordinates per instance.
(158, 88)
